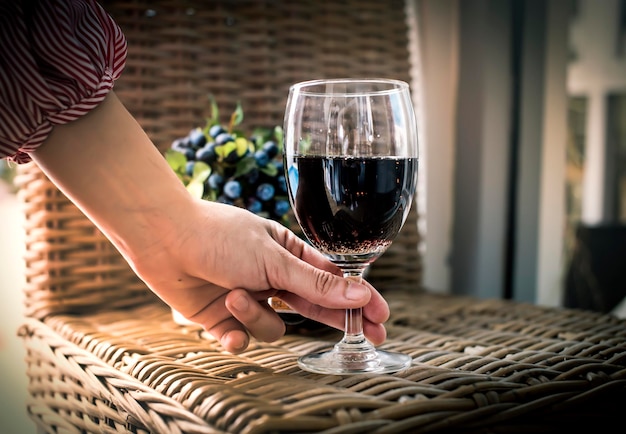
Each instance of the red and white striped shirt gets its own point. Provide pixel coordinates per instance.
(58, 60)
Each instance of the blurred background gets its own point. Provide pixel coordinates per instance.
(523, 162)
(13, 383)
(523, 104)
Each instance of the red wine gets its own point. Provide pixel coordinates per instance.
(351, 208)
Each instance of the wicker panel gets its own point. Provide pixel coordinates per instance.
(479, 366)
(70, 265)
(249, 51)
(179, 52)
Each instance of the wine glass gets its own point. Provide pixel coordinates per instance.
(351, 158)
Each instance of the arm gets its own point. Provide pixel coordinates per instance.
(109, 168)
(190, 252)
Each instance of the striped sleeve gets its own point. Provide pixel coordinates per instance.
(58, 60)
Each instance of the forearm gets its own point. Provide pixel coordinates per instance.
(110, 169)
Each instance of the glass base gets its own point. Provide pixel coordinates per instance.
(349, 359)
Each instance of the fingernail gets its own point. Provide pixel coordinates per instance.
(235, 341)
(355, 291)
(241, 304)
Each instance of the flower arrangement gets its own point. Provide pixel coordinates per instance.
(221, 163)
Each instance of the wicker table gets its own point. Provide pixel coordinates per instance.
(479, 366)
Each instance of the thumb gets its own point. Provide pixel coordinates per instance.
(314, 278)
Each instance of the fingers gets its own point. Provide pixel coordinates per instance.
(377, 309)
(222, 326)
(375, 333)
(256, 315)
(233, 340)
(314, 285)
(251, 315)
(304, 271)
(327, 293)
(230, 333)
(375, 313)
(317, 285)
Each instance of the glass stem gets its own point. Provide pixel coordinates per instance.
(354, 317)
(354, 326)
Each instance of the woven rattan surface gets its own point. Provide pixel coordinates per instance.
(479, 366)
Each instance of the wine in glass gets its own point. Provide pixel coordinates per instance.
(351, 158)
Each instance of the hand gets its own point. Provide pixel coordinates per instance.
(216, 264)
(224, 264)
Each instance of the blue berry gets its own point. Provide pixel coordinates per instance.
(216, 130)
(265, 191)
(207, 153)
(271, 148)
(254, 205)
(279, 165)
(281, 181)
(253, 176)
(189, 167)
(223, 199)
(232, 189)
(215, 181)
(182, 146)
(222, 138)
(256, 139)
(197, 139)
(179, 144)
(190, 154)
(262, 158)
(281, 207)
(232, 157)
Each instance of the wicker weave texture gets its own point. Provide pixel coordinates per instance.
(70, 265)
(479, 366)
(249, 51)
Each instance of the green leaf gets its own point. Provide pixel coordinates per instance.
(237, 117)
(210, 195)
(201, 172)
(263, 134)
(225, 149)
(269, 170)
(176, 160)
(196, 188)
(236, 133)
(215, 113)
(279, 136)
(245, 165)
(242, 145)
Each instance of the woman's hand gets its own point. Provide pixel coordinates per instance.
(216, 264)
(225, 262)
